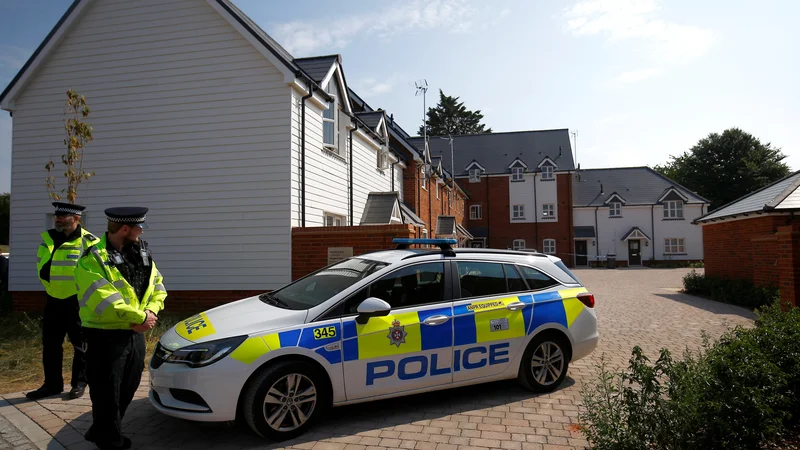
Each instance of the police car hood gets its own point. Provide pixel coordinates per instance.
(246, 316)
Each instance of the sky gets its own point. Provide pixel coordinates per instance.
(636, 80)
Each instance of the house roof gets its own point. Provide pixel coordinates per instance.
(410, 217)
(584, 232)
(496, 151)
(371, 119)
(379, 207)
(446, 226)
(317, 67)
(464, 232)
(637, 185)
(781, 196)
(633, 231)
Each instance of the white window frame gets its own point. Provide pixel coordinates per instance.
(547, 172)
(549, 246)
(437, 189)
(475, 175)
(673, 209)
(332, 146)
(615, 209)
(517, 211)
(517, 174)
(548, 210)
(424, 178)
(518, 244)
(674, 246)
(424, 233)
(475, 212)
(333, 220)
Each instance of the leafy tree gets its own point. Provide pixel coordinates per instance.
(451, 117)
(79, 134)
(724, 167)
(5, 217)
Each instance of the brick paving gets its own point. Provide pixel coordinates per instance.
(635, 307)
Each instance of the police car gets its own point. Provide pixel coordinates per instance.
(375, 326)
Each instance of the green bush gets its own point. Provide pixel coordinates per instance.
(739, 393)
(735, 292)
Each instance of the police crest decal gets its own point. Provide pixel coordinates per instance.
(397, 333)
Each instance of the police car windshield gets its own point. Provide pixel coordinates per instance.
(313, 290)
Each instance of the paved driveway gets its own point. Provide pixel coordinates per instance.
(635, 306)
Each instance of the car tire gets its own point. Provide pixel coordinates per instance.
(534, 372)
(276, 410)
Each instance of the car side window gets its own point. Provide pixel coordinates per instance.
(515, 281)
(480, 279)
(419, 284)
(536, 279)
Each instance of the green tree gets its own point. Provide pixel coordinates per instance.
(451, 117)
(724, 167)
(5, 217)
(78, 134)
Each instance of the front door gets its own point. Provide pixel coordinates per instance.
(634, 253)
(581, 257)
(411, 348)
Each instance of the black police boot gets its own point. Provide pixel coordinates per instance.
(77, 391)
(44, 391)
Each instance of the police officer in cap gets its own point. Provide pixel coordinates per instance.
(121, 293)
(56, 262)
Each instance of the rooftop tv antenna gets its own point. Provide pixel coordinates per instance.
(575, 137)
(422, 88)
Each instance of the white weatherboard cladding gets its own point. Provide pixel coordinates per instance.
(189, 120)
(327, 174)
(610, 231)
(398, 180)
(522, 193)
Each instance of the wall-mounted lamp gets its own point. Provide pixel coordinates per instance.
(592, 242)
(646, 243)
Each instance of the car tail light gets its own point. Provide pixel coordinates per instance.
(587, 299)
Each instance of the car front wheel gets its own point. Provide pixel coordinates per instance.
(285, 399)
(544, 363)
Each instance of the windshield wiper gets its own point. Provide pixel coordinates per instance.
(273, 300)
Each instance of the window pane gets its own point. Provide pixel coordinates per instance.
(536, 279)
(481, 279)
(351, 304)
(515, 282)
(327, 132)
(328, 112)
(415, 285)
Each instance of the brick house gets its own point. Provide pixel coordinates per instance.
(637, 214)
(757, 238)
(520, 194)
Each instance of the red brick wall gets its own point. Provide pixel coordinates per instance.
(429, 207)
(310, 244)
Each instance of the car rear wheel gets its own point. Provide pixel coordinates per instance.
(545, 363)
(285, 400)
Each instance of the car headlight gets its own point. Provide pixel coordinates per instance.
(199, 355)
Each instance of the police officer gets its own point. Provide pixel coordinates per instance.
(121, 292)
(56, 261)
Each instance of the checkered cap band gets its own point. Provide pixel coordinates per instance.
(126, 219)
(62, 209)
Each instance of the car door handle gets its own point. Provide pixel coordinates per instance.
(516, 306)
(436, 320)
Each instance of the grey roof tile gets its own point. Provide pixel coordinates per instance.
(496, 151)
(636, 185)
(445, 226)
(780, 195)
(378, 209)
(584, 232)
(410, 217)
(371, 119)
(317, 67)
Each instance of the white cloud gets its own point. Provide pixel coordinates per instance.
(668, 43)
(369, 87)
(303, 38)
(634, 76)
(13, 57)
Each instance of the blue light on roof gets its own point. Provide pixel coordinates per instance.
(410, 241)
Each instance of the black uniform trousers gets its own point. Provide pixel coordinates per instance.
(61, 318)
(115, 362)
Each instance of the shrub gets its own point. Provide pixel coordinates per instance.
(733, 291)
(740, 392)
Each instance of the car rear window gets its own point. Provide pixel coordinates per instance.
(563, 267)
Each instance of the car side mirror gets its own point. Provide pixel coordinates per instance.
(372, 307)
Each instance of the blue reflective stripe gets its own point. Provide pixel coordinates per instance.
(527, 299)
(465, 329)
(550, 312)
(350, 348)
(289, 338)
(527, 314)
(436, 336)
(333, 357)
(460, 310)
(349, 329)
(546, 296)
(307, 338)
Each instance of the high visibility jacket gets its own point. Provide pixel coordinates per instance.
(63, 262)
(106, 299)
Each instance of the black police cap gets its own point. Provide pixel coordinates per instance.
(128, 215)
(67, 209)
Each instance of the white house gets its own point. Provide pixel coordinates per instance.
(203, 118)
(636, 214)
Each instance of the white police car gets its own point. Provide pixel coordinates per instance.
(375, 326)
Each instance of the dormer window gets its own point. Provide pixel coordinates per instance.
(474, 175)
(329, 129)
(547, 172)
(517, 174)
(673, 209)
(615, 209)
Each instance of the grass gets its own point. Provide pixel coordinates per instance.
(21, 350)
(3, 249)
